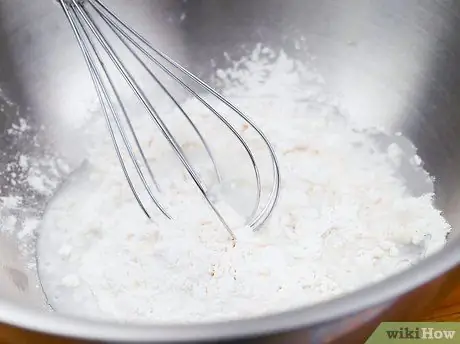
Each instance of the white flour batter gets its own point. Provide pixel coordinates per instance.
(344, 218)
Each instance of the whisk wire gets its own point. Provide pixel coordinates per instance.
(116, 22)
(107, 107)
(98, 87)
(170, 96)
(117, 29)
(125, 115)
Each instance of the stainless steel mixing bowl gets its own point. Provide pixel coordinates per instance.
(391, 62)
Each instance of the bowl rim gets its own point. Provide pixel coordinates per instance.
(377, 294)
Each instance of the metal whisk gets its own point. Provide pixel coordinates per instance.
(91, 39)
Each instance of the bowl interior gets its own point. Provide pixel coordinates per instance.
(390, 63)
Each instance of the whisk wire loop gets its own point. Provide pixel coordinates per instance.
(119, 32)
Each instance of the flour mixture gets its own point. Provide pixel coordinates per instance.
(345, 218)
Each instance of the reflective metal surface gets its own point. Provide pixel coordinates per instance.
(391, 62)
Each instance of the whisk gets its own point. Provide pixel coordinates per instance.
(81, 15)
